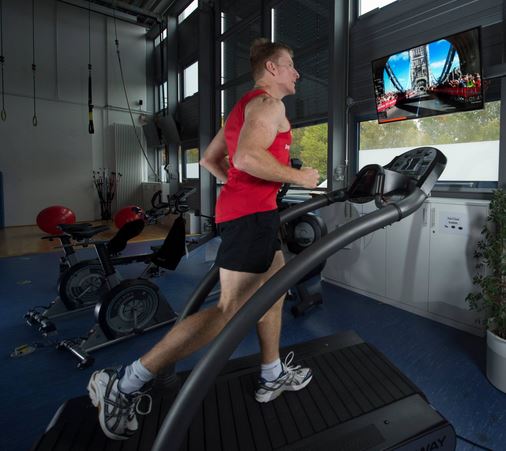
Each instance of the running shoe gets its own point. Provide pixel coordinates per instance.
(292, 378)
(117, 411)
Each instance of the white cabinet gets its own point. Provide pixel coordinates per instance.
(369, 270)
(407, 260)
(423, 263)
(360, 264)
(338, 265)
(454, 232)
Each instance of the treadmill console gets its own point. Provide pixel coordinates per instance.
(419, 164)
(420, 167)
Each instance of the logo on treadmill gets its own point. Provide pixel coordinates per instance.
(287, 146)
(436, 444)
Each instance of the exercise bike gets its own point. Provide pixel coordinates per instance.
(132, 306)
(297, 235)
(70, 241)
(69, 257)
(80, 282)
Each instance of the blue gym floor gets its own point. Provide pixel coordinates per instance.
(447, 364)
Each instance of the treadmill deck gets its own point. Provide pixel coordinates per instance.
(357, 400)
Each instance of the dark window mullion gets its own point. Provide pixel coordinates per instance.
(236, 82)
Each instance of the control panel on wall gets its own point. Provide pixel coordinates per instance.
(453, 222)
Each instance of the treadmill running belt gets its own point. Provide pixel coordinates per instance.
(357, 400)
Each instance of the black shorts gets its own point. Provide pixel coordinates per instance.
(248, 243)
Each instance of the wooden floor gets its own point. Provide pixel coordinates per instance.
(24, 240)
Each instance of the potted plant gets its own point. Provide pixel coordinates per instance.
(491, 280)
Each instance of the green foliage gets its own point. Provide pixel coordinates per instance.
(192, 156)
(385, 136)
(471, 126)
(491, 267)
(310, 144)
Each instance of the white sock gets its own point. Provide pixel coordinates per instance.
(271, 371)
(135, 376)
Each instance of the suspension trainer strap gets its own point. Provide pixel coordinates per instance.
(116, 41)
(91, 127)
(3, 113)
(34, 67)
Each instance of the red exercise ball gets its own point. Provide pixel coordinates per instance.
(128, 214)
(49, 218)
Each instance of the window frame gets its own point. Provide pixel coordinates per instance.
(456, 189)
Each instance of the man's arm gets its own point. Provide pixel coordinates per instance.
(263, 118)
(215, 157)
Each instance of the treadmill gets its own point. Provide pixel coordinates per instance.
(357, 400)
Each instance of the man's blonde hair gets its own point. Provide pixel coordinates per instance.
(262, 50)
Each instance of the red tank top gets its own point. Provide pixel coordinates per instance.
(244, 194)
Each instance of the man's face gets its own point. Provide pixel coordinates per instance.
(287, 75)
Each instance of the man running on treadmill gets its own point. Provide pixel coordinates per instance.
(250, 154)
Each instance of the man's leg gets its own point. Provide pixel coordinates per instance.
(269, 326)
(283, 377)
(117, 398)
(200, 328)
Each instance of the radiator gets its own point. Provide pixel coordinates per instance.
(129, 162)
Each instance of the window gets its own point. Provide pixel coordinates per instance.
(191, 169)
(235, 49)
(162, 96)
(160, 37)
(153, 165)
(180, 165)
(273, 25)
(161, 157)
(233, 12)
(310, 145)
(191, 80)
(187, 11)
(369, 5)
(230, 96)
(305, 27)
(470, 142)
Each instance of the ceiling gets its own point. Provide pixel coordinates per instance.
(145, 12)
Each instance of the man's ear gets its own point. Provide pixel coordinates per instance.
(270, 67)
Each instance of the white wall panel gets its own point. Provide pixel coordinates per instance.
(53, 162)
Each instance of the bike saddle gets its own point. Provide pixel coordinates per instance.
(69, 228)
(88, 232)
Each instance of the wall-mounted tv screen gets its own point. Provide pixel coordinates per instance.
(161, 130)
(440, 77)
(168, 128)
(152, 134)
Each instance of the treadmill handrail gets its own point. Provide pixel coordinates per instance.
(196, 387)
(199, 295)
(319, 201)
